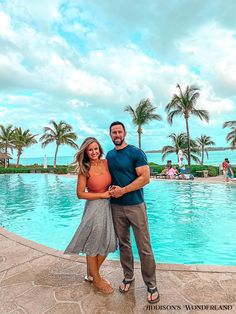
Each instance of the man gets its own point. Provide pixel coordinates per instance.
(230, 173)
(130, 172)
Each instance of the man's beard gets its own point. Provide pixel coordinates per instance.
(118, 144)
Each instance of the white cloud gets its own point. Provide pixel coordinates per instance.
(83, 62)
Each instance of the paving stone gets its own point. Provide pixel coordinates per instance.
(229, 286)
(201, 292)
(37, 300)
(25, 276)
(113, 303)
(63, 308)
(15, 255)
(19, 311)
(7, 307)
(184, 276)
(10, 292)
(75, 293)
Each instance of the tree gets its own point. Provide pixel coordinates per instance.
(179, 142)
(60, 133)
(184, 104)
(142, 114)
(6, 140)
(204, 141)
(22, 139)
(231, 136)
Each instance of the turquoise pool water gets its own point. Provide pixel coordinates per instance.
(189, 223)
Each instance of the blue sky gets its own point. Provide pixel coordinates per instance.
(84, 61)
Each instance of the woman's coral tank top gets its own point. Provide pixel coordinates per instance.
(99, 183)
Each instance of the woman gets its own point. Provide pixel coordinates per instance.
(95, 235)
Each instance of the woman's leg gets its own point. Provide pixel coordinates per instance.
(94, 272)
(92, 267)
(100, 260)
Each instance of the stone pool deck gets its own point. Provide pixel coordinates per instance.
(36, 279)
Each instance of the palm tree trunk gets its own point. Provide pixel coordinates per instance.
(5, 159)
(202, 153)
(18, 158)
(188, 141)
(139, 137)
(55, 157)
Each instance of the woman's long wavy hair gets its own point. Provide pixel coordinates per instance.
(82, 161)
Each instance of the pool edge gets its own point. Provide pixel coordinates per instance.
(161, 267)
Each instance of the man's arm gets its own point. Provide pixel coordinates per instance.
(143, 178)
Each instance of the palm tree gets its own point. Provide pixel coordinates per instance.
(204, 141)
(231, 136)
(60, 133)
(142, 114)
(6, 140)
(184, 104)
(179, 142)
(22, 139)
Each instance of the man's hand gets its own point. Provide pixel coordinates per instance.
(116, 191)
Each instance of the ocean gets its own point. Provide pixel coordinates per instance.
(215, 158)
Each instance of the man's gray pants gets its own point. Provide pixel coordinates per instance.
(136, 217)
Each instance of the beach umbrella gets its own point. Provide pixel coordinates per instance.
(180, 157)
(45, 162)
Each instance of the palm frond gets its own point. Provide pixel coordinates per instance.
(229, 124)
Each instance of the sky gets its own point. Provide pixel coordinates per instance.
(84, 61)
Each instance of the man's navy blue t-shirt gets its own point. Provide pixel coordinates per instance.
(122, 164)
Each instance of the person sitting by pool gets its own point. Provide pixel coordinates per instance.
(172, 173)
(95, 235)
(164, 173)
(169, 164)
(185, 174)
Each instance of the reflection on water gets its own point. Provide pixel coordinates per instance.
(188, 222)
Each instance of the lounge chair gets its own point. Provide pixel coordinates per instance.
(162, 175)
(153, 173)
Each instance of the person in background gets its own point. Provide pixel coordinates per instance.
(224, 166)
(172, 172)
(169, 164)
(230, 173)
(95, 235)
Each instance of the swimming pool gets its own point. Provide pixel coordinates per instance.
(189, 223)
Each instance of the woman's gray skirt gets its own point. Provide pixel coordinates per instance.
(95, 234)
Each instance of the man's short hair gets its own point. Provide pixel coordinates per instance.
(116, 123)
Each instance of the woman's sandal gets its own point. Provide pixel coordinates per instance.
(127, 283)
(152, 291)
(104, 289)
(90, 279)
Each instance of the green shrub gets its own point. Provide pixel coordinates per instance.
(61, 170)
(213, 171)
(156, 168)
(234, 170)
(31, 169)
